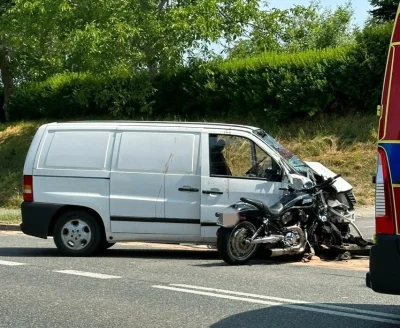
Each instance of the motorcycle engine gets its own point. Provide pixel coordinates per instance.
(303, 216)
(286, 218)
(291, 239)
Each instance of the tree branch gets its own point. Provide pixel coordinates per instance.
(161, 4)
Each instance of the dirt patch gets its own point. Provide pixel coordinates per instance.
(359, 263)
(4, 232)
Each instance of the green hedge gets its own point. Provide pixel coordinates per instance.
(279, 86)
(77, 95)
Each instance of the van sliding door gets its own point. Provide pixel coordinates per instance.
(153, 182)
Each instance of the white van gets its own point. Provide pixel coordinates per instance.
(92, 184)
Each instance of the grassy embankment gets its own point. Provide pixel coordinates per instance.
(346, 145)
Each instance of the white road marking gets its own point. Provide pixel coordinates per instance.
(217, 295)
(306, 306)
(286, 300)
(88, 274)
(10, 263)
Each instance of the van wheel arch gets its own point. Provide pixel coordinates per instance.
(68, 208)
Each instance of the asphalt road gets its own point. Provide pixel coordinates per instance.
(141, 286)
(366, 225)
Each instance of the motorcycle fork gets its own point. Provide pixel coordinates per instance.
(310, 233)
(324, 206)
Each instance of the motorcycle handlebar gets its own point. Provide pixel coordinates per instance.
(288, 189)
(327, 182)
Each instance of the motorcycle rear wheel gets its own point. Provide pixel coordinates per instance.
(232, 246)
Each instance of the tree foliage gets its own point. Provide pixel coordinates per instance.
(279, 86)
(54, 36)
(47, 37)
(384, 10)
(299, 28)
(6, 60)
(133, 56)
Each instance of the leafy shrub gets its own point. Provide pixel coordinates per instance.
(77, 95)
(276, 86)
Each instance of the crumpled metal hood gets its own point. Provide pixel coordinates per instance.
(341, 185)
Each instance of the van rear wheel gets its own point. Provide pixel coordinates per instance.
(104, 246)
(77, 233)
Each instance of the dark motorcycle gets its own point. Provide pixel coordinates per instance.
(300, 222)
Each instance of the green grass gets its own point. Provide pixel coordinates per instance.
(10, 218)
(346, 145)
(15, 139)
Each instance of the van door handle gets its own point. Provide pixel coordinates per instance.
(188, 189)
(209, 192)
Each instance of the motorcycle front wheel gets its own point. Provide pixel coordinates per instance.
(233, 246)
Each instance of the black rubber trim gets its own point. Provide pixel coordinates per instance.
(70, 177)
(210, 192)
(242, 178)
(188, 189)
(384, 265)
(208, 224)
(36, 218)
(154, 220)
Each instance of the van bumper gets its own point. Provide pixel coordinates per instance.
(384, 265)
(36, 218)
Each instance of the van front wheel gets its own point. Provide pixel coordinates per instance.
(77, 233)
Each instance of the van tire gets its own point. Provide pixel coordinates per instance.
(77, 233)
(104, 246)
(108, 245)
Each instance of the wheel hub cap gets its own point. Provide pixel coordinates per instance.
(76, 234)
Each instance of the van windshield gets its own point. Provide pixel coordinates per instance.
(291, 158)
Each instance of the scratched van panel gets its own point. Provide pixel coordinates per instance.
(152, 169)
(156, 152)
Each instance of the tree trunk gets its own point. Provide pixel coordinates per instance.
(7, 79)
(152, 66)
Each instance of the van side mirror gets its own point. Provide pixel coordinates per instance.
(273, 175)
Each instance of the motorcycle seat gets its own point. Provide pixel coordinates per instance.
(272, 211)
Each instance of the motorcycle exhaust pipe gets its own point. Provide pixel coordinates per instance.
(268, 240)
(292, 250)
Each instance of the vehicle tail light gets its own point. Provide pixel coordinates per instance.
(384, 210)
(28, 188)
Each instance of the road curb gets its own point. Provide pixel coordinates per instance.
(10, 227)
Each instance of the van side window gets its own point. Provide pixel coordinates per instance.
(238, 157)
(86, 150)
(156, 152)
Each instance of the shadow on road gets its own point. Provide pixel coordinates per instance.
(28, 252)
(113, 253)
(315, 316)
(153, 253)
(145, 253)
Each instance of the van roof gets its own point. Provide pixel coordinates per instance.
(163, 123)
